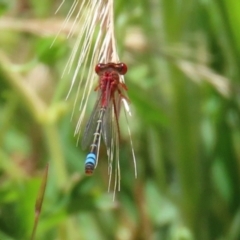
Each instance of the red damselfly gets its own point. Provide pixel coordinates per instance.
(104, 120)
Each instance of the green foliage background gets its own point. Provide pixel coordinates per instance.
(183, 79)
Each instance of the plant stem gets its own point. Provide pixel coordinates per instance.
(41, 113)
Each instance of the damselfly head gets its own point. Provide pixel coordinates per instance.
(120, 68)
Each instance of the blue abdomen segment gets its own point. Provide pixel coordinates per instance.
(90, 163)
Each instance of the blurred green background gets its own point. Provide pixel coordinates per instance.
(183, 80)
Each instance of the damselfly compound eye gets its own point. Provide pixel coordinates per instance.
(99, 68)
(122, 68)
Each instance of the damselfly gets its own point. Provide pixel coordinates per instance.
(104, 120)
